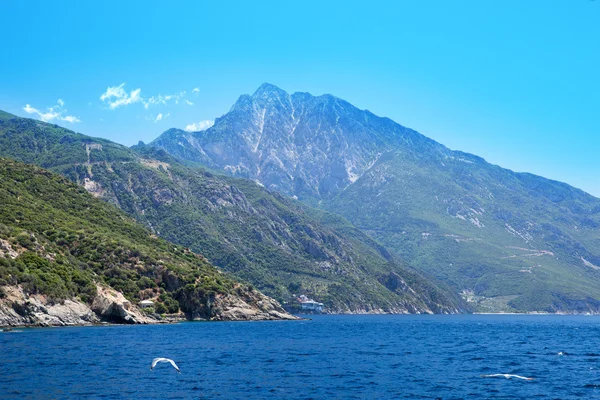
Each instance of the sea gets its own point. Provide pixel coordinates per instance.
(324, 357)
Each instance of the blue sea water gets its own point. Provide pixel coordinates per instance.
(328, 357)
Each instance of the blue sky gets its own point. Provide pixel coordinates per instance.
(516, 82)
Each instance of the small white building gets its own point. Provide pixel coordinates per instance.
(146, 303)
(309, 304)
(312, 305)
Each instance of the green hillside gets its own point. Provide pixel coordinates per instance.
(510, 241)
(265, 239)
(63, 241)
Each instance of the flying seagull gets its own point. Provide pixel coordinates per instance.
(158, 360)
(507, 376)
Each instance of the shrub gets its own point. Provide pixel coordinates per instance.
(161, 308)
(24, 240)
(148, 310)
(145, 283)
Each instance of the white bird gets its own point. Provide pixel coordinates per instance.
(158, 360)
(507, 376)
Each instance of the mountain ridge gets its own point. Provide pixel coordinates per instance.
(448, 213)
(268, 88)
(260, 237)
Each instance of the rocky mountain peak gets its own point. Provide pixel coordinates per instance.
(243, 103)
(267, 96)
(267, 90)
(302, 145)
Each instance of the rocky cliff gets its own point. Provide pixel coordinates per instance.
(20, 309)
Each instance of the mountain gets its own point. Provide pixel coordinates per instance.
(506, 241)
(300, 145)
(278, 245)
(59, 244)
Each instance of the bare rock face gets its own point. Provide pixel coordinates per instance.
(112, 306)
(18, 309)
(109, 305)
(6, 250)
(252, 306)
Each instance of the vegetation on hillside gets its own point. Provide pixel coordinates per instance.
(262, 238)
(516, 241)
(67, 241)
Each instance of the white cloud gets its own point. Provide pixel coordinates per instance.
(70, 118)
(116, 96)
(199, 126)
(160, 99)
(159, 117)
(55, 112)
(154, 100)
(196, 90)
(30, 110)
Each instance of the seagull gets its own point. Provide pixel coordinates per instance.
(158, 360)
(507, 376)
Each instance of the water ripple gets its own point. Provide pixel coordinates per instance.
(350, 357)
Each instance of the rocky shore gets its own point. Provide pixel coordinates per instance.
(252, 306)
(18, 309)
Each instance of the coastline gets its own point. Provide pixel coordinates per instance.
(17, 309)
(170, 321)
(178, 320)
